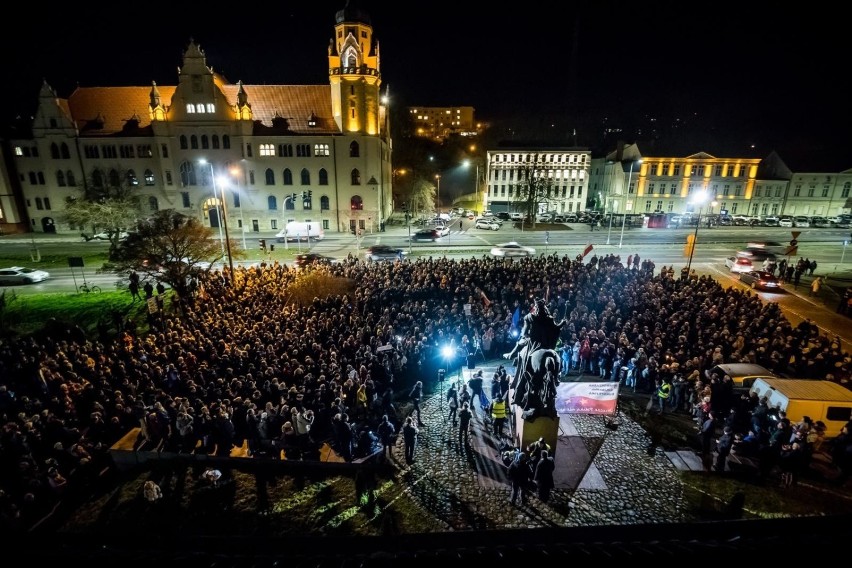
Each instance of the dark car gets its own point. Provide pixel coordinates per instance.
(303, 260)
(504, 215)
(760, 280)
(426, 235)
(384, 252)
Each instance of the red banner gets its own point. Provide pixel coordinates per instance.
(587, 250)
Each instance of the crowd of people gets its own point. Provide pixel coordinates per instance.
(241, 364)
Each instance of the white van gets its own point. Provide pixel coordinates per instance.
(820, 400)
(301, 231)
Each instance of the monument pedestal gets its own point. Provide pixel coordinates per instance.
(527, 432)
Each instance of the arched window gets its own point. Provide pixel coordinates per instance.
(288, 177)
(205, 142)
(54, 151)
(289, 204)
(149, 177)
(324, 204)
(187, 174)
(270, 177)
(69, 177)
(193, 142)
(226, 141)
(60, 178)
(306, 177)
(64, 150)
(323, 176)
(272, 203)
(356, 177)
(131, 178)
(215, 140)
(153, 204)
(351, 61)
(356, 203)
(114, 179)
(183, 143)
(354, 150)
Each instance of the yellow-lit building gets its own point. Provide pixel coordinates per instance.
(438, 123)
(626, 181)
(275, 153)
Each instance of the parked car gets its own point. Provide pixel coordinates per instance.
(384, 252)
(785, 221)
(104, 236)
(426, 235)
(742, 375)
(21, 275)
(760, 280)
(820, 222)
(504, 215)
(306, 259)
(512, 249)
(487, 224)
(801, 221)
(443, 230)
(770, 221)
(739, 264)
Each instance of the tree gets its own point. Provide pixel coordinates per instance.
(420, 195)
(533, 188)
(169, 247)
(108, 203)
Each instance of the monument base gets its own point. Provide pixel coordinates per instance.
(527, 432)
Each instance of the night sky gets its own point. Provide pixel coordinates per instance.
(763, 78)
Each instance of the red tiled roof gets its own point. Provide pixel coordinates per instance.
(113, 106)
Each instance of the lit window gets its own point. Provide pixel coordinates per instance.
(211, 108)
(199, 108)
(267, 149)
(190, 108)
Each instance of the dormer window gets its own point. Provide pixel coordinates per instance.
(312, 120)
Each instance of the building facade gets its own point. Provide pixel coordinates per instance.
(627, 182)
(561, 176)
(273, 153)
(439, 123)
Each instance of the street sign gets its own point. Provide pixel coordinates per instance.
(467, 308)
(795, 234)
(75, 261)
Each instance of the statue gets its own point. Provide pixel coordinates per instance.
(537, 364)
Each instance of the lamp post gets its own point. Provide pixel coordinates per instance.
(234, 172)
(627, 190)
(699, 200)
(224, 218)
(438, 194)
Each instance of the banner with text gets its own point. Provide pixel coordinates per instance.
(587, 398)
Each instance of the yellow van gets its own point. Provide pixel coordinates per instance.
(743, 374)
(820, 400)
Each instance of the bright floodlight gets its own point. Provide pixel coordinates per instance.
(447, 351)
(700, 198)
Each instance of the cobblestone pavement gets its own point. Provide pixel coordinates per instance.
(466, 486)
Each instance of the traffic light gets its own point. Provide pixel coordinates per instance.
(310, 194)
(262, 243)
(293, 197)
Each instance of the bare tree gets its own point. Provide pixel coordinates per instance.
(169, 247)
(532, 188)
(108, 203)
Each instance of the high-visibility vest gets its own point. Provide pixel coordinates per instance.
(498, 409)
(665, 390)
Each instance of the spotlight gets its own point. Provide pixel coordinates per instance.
(447, 351)
(514, 333)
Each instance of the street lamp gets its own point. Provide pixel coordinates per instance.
(475, 183)
(234, 173)
(438, 194)
(627, 190)
(699, 200)
(224, 217)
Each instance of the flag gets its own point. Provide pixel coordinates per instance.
(587, 250)
(516, 317)
(485, 300)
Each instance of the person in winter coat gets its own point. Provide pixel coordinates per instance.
(519, 474)
(543, 476)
